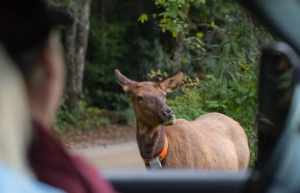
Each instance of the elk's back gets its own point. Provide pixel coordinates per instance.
(212, 141)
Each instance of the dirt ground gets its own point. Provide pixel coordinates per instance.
(113, 147)
(112, 134)
(116, 156)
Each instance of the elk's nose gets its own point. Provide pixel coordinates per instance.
(168, 113)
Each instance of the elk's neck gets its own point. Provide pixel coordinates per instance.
(150, 139)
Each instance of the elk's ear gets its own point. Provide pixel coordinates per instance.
(123, 81)
(169, 84)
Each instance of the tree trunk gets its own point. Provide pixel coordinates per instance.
(76, 46)
(178, 51)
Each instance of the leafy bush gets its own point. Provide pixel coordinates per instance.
(106, 51)
(88, 118)
(85, 118)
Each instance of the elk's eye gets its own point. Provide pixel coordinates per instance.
(140, 98)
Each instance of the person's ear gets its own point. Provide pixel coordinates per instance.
(46, 92)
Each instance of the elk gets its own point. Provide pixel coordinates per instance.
(213, 141)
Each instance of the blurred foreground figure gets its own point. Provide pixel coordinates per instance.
(27, 35)
(15, 175)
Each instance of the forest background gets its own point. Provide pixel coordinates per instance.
(214, 42)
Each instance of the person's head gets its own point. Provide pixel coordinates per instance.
(27, 34)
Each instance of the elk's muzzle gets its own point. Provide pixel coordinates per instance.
(168, 116)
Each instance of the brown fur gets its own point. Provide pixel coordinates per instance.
(212, 141)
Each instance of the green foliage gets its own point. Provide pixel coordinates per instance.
(85, 118)
(107, 47)
(207, 30)
(174, 17)
(89, 117)
(143, 18)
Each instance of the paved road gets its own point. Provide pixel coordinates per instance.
(119, 156)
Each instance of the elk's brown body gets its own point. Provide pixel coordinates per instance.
(213, 141)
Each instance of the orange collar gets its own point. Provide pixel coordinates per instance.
(163, 152)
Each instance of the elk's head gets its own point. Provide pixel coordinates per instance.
(149, 98)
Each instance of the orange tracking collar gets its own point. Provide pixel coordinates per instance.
(163, 152)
